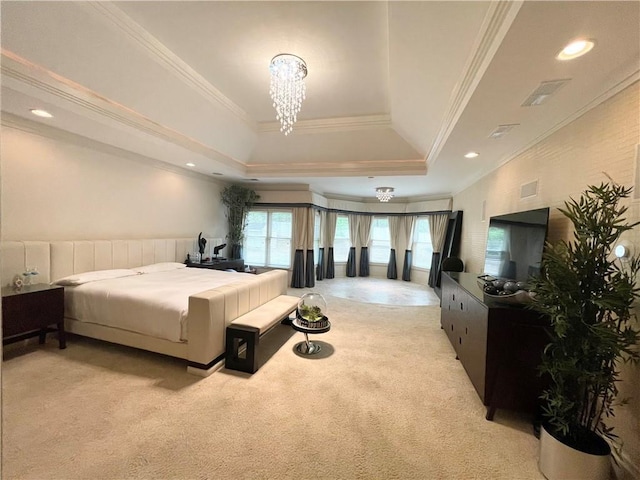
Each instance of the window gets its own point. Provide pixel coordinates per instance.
(380, 243)
(422, 249)
(267, 238)
(341, 242)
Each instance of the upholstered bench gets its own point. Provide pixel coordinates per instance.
(243, 334)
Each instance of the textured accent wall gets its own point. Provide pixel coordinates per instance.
(604, 139)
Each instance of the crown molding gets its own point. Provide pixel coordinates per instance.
(35, 76)
(157, 51)
(9, 120)
(329, 125)
(496, 24)
(332, 169)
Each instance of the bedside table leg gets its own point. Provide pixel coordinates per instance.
(62, 336)
(43, 336)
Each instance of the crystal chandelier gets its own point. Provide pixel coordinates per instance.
(287, 88)
(384, 194)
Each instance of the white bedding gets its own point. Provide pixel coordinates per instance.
(154, 304)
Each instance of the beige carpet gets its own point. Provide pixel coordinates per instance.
(385, 399)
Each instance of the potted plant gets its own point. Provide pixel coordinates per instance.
(588, 295)
(238, 200)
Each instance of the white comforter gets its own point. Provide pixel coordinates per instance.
(154, 304)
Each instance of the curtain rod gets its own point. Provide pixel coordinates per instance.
(337, 210)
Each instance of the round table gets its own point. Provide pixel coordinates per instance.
(307, 347)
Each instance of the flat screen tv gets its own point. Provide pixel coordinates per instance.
(515, 242)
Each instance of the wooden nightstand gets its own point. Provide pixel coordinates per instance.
(31, 311)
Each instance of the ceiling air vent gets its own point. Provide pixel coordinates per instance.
(543, 92)
(502, 130)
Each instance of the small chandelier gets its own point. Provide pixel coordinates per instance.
(287, 88)
(384, 194)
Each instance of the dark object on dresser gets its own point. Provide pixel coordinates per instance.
(30, 311)
(500, 346)
(452, 264)
(202, 243)
(216, 250)
(220, 264)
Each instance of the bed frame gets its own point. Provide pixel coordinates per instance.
(209, 312)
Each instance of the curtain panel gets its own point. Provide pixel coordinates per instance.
(321, 245)
(310, 279)
(353, 238)
(408, 224)
(332, 218)
(438, 231)
(299, 240)
(364, 230)
(394, 231)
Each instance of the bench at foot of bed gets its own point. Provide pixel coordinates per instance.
(243, 334)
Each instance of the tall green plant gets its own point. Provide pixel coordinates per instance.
(588, 294)
(238, 200)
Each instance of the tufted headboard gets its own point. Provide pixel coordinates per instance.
(59, 259)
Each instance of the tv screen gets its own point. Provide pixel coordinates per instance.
(515, 242)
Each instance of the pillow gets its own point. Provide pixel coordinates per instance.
(159, 267)
(80, 278)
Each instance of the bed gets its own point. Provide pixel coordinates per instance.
(137, 293)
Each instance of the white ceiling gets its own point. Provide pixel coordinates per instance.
(398, 91)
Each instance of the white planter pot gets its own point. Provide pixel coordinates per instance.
(561, 462)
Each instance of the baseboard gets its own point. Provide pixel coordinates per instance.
(205, 372)
(624, 468)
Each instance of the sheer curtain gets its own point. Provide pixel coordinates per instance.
(408, 223)
(332, 218)
(310, 280)
(394, 231)
(438, 231)
(364, 228)
(353, 238)
(321, 244)
(299, 241)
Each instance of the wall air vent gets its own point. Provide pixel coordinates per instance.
(529, 189)
(543, 92)
(502, 130)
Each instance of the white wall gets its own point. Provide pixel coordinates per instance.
(62, 190)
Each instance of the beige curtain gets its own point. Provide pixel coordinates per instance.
(321, 246)
(332, 218)
(408, 224)
(438, 231)
(310, 264)
(353, 238)
(300, 218)
(394, 232)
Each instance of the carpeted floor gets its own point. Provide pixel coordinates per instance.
(385, 399)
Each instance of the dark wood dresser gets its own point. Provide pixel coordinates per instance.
(500, 346)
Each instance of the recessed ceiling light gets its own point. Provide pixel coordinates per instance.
(575, 49)
(41, 113)
(471, 155)
(191, 164)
